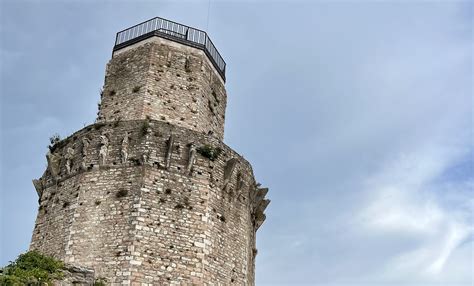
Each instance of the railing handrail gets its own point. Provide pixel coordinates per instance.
(173, 31)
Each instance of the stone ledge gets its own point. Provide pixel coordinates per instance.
(76, 275)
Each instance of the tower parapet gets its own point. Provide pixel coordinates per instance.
(173, 31)
(144, 197)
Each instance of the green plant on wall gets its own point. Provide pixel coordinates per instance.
(144, 128)
(121, 193)
(53, 141)
(136, 89)
(100, 282)
(31, 268)
(209, 152)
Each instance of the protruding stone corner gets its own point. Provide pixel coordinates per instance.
(38, 183)
(259, 204)
(169, 151)
(75, 275)
(228, 171)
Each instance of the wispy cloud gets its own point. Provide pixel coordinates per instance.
(404, 203)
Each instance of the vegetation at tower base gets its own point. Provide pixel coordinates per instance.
(35, 268)
(32, 268)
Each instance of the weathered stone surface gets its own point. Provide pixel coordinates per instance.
(38, 187)
(54, 160)
(130, 198)
(165, 216)
(191, 157)
(74, 275)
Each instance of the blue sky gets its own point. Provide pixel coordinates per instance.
(356, 114)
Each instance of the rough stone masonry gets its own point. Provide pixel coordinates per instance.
(149, 194)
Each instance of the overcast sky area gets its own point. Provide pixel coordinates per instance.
(357, 115)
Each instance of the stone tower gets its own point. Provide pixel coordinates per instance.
(149, 194)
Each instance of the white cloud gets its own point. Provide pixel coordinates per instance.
(404, 202)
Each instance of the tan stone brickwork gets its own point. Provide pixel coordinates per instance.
(167, 226)
(149, 194)
(166, 81)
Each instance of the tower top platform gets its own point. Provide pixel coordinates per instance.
(173, 31)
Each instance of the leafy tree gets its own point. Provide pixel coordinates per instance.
(31, 268)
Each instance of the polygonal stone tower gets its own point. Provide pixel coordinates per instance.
(149, 194)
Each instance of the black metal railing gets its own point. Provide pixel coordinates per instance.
(175, 32)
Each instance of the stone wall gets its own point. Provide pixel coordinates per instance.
(163, 80)
(150, 208)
